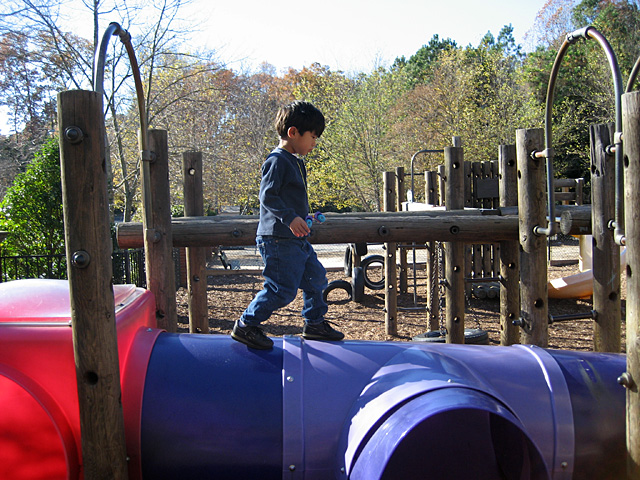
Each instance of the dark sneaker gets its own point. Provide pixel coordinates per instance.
(252, 337)
(321, 331)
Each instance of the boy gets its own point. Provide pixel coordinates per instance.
(289, 259)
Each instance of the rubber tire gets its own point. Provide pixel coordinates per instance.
(357, 285)
(334, 285)
(360, 248)
(472, 336)
(348, 261)
(379, 285)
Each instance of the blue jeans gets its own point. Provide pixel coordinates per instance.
(289, 264)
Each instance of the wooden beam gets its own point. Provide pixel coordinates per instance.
(158, 241)
(606, 253)
(509, 251)
(534, 314)
(88, 246)
(196, 256)
(390, 269)
(631, 378)
(338, 228)
(454, 248)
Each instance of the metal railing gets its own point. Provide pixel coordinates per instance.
(128, 267)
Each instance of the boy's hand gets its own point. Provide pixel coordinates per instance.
(299, 227)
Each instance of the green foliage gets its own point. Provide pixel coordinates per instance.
(31, 210)
(376, 120)
(583, 92)
(419, 68)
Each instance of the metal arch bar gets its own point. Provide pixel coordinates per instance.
(618, 225)
(586, 32)
(99, 63)
(101, 53)
(632, 76)
(112, 30)
(413, 157)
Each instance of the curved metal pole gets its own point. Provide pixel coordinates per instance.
(632, 76)
(413, 157)
(101, 54)
(618, 223)
(99, 63)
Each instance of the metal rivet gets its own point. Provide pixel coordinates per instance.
(626, 380)
(292, 468)
(80, 259)
(73, 134)
(289, 379)
(192, 171)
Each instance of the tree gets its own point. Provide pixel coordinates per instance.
(31, 211)
(474, 93)
(419, 68)
(363, 149)
(584, 92)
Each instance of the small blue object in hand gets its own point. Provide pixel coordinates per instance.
(318, 216)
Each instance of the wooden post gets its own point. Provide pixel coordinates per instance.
(158, 240)
(631, 379)
(441, 185)
(431, 188)
(606, 253)
(495, 247)
(534, 314)
(88, 247)
(454, 251)
(433, 277)
(196, 256)
(487, 265)
(476, 248)
(433, 284)
(509, 250)
(468, 248)
(400, 198)
(390, 272)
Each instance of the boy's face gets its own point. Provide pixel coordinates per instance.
(301, 144)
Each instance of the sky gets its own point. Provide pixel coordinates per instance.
(346, 35)
(350, 35)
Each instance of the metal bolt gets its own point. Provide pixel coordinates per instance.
(564, 465)
(80, 259)
(192, 171)
(289, 379)
(292, 468)
(626, 380)
(73, 134)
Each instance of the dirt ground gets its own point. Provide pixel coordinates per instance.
(228, 296)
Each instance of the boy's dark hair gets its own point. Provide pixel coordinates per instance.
(302, 115)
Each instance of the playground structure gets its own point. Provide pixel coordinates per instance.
(519, 411)
(385, 400)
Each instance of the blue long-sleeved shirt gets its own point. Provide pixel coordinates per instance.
(283, 193)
